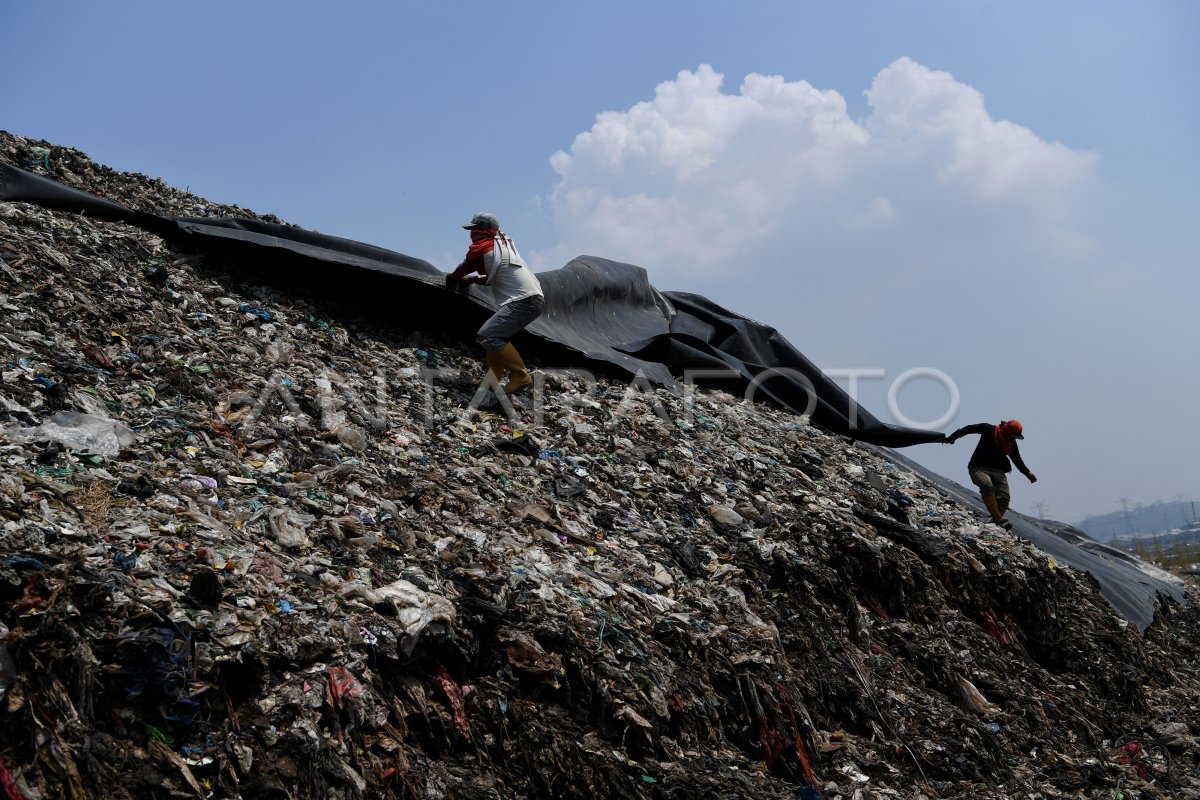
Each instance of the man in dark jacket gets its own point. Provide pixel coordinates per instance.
(990, 463)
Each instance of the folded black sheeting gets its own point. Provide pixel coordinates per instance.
(604, 310)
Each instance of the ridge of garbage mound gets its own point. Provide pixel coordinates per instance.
(254, 546)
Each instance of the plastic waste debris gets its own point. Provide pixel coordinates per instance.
(246, 308)
(726, 516)
(76, 431)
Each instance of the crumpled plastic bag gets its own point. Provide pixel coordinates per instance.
(416, 608)
(76, 431)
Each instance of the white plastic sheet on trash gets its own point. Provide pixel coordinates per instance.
(76, 431)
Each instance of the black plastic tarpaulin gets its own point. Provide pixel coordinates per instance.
(602, 309)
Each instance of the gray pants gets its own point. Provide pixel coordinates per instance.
(991, 481)
(509, 320)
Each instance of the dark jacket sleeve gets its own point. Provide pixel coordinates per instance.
(1016, 459)
(980, 427)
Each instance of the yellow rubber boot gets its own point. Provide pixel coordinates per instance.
(993, 508)
(518, 375)
(494, 368)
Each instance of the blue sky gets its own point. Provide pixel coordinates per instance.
(1002, 191)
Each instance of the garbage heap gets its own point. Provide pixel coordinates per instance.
(255, 546)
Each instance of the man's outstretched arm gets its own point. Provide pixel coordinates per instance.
(981, 427)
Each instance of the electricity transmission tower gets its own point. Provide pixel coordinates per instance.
(1124, 501)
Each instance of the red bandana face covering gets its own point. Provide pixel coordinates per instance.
(482, 241)
(1003, 440)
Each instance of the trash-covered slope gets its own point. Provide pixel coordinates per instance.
(289, 562)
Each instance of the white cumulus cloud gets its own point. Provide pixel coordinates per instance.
(703, 182)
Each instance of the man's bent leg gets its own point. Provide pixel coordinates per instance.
(985, 480)
(496, 333)
(1003, 496)
(508, 321)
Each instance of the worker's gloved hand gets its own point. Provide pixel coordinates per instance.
(451, 281)
(1031, 476)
